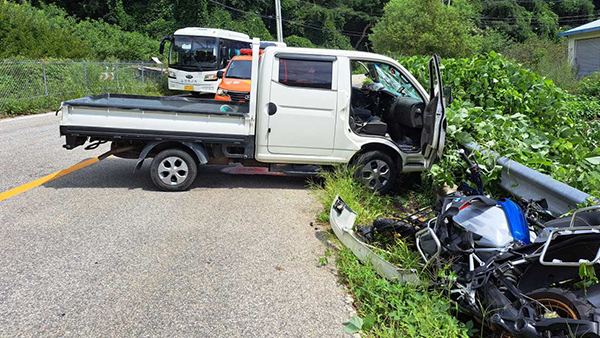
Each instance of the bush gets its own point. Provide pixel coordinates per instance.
(424, 27)
(298, 41)
(518, 114)
(34, 33)
(590, 86)
(545, 57)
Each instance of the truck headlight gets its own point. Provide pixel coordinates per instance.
(221, 92)
(211, 77)
(172, 75)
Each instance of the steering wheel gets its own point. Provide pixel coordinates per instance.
(402, 90)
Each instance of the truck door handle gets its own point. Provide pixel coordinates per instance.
(272, 108)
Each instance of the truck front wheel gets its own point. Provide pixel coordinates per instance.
(376, 170)
(173, 170)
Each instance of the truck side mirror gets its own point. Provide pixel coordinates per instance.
(448, 95)
(220, 74)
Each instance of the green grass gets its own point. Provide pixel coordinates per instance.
(398, 310)
(339, 181)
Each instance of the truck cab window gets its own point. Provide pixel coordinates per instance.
(385, 102)
(303, 73)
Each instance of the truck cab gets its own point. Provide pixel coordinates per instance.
(235, 80)
(305, 107)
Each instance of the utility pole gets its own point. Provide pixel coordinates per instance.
(278, 19)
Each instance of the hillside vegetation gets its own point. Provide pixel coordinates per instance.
(27, 32)
(519, 114)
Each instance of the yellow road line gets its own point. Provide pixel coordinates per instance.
(28, 186)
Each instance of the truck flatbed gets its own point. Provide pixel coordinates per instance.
(117, 116)
(171, 104)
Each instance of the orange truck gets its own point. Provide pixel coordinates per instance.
(235, 80)
(235, 83)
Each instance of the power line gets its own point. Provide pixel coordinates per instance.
(486, 20)
(270, 17)
(561, 20)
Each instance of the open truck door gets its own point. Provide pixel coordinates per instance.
(433, 136)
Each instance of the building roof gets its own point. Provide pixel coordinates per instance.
(588, 27)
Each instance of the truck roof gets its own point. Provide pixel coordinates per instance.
(331, 52)
(212, 32)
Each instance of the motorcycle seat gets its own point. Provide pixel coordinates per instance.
(581, 219)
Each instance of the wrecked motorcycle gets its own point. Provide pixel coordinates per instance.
(514, 266)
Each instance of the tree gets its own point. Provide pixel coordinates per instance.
(411, 27)
(298, 41)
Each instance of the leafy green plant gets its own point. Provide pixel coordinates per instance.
(590, 86)
(356, 324)
(519, 114)
(587, 273)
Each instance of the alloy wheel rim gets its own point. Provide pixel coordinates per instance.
(375, 174)
(562, 309)
(173, 170)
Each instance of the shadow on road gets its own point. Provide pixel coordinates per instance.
(118, 173)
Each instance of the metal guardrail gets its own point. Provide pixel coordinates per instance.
(527, 183)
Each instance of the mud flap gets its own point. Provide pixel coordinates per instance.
(342, 220)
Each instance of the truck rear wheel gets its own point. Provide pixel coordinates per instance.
(173, 170)
(376, 170)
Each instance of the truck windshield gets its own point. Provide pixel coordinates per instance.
(239, 69)
(193, 53)
(395, 82)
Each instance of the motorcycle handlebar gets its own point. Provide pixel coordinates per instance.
(465, 158)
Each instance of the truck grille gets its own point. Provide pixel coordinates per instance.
(238, 96)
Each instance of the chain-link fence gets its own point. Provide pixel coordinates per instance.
(26, 82)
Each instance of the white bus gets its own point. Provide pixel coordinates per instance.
(196, 54)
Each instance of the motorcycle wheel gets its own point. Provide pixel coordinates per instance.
(558, 302)
(562, 302)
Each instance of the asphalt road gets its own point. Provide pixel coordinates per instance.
(101, 252)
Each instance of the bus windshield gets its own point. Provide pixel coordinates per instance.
(193, 53)
(239, 69)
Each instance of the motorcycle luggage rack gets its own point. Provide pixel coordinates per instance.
(570, 231)
(428, 231)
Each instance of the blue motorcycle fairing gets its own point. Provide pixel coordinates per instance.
(516, 220)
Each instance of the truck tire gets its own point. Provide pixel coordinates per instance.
(173, 170)
(376, 170)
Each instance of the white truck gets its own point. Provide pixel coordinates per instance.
(303, 110)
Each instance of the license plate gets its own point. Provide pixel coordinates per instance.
(190, 88)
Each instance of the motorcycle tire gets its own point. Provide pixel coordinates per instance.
(565, 303)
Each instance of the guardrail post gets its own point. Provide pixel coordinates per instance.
(45, 80)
